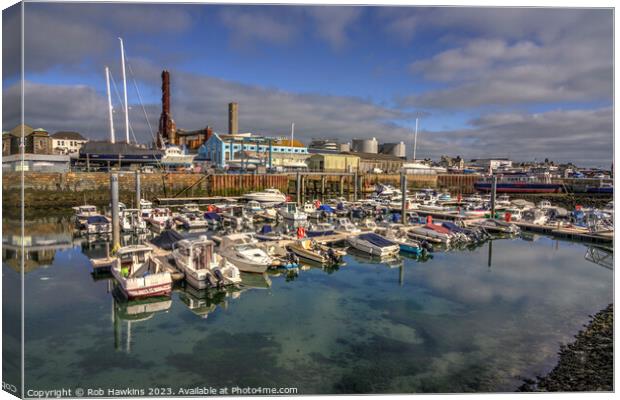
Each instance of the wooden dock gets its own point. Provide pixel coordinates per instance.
(181, 201)
(568, 233)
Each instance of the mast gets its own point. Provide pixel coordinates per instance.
(125, 91)
(107, 83)
(415, 138)
(292, 133)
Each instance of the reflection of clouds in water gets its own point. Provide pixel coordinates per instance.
(520, 272)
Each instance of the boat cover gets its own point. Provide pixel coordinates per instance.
(213, 216)
(266, 229)
(453, 227)
(326, 208)
(97, 219)
(166, 239)
(377, 240)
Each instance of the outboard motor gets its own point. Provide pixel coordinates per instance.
(426, 246)
(210, 281)
(332, 255)
(219, 276)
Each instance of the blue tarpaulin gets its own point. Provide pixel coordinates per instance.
(213, 216)
(377, 240)
(326, 208)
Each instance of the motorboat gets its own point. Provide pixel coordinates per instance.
(320, 229)
(272, 195)
(202, 266)
(241, 250)
(131, 221)
(346, 226)
(313, 251)
(139, 274)
(374, 244)
(236, 216)
(190, 207)
(160, 219)
(432, 231)
(387, 190)
(175, 156)
(192, 220)
(253, 206)
(535, 216)
(291, 212)
(83, 212)
(97, 224)
(503, 200)
(497, 226)
(267, 233)
(214, 220)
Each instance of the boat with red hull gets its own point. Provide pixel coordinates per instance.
(520, 183)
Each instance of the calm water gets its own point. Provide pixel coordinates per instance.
(453, 323)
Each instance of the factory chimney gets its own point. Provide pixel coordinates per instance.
(167, 127)
(233, 118)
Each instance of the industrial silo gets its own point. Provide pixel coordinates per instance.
(395, 149)
(365, 146)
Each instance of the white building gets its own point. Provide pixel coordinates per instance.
(494, 163)
(67, 142)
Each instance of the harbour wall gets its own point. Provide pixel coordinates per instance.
(43, 190)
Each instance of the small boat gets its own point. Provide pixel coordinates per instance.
(313, 251)
(497, 226)
(253, 206)
(83, 212)
(192, 220)
(273, 196)
(131, 221)
(97, 224)
(432, 231)
(291, 212)
(320, 229)
(160, 219)
(237, 217)
(241, 250)
(214, 220)
(267, 233)
(139, 274)
(535, 216)
(190, 207)
(345, 225)
(202, 266)
(374, 244)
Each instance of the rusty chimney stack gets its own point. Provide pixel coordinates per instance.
(233, 118)
(167, 127)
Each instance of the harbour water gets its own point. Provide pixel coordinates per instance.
(465, 320)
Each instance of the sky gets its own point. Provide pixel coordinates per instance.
(524, 83)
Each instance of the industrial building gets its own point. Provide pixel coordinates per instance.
(394, 149)
(328, 162)
(378, 163)
(365, 146)
(36, 162)
(225, 151)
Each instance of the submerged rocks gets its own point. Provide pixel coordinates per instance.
(584, 365)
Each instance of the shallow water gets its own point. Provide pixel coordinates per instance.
(454, 323)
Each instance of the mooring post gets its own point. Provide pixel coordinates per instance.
(138, 190)
(322, 187)
(355, 186)
(493, 194)
(116, 234)
(403, 189)
(298, 189)
(303, 190)
(341, 185)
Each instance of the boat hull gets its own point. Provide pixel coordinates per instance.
(517, 187)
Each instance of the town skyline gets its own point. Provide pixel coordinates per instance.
(521, 83)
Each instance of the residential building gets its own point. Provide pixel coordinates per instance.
(65, 142)
(493, 163)
(36, 141)
(225, 151)
(329, 162)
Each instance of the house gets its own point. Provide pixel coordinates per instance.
(66, 142)
(36, 141)
(329, 162)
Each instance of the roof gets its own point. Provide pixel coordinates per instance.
(375, 156)
(105, 147)
(17, 131)
(323, 154)
(39, 130)
(68, 135)
(287, 142)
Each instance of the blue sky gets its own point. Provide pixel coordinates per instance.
(525, 83)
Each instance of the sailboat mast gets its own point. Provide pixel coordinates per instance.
(107, 83)
(415, 138)
(125, 91)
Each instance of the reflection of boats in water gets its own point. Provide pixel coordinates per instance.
(203, 302)
(601, 256)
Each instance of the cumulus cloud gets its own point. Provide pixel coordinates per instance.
(248, 25)
(332, 22)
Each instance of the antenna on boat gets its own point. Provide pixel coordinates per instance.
(125, 91)
(107, 83)
(415, 138)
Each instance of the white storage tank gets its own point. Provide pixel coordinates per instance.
(395, 149)
(365, 146)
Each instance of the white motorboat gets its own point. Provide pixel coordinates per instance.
(241, 250)
(160, 219)
(387, 190)
(345, 225)
(83, 212)
(535, 216)
(253, 206)
(202, 266)
(174, 157)
(236, 216)
(496, 226)
(271, 195)
(139, 274)
(291, 212)
(131, 220)
(374, 244)
(431, 231)
(97, 224)
(192, 220)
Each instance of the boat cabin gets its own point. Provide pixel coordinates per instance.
(132, 259)
(197, 254)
